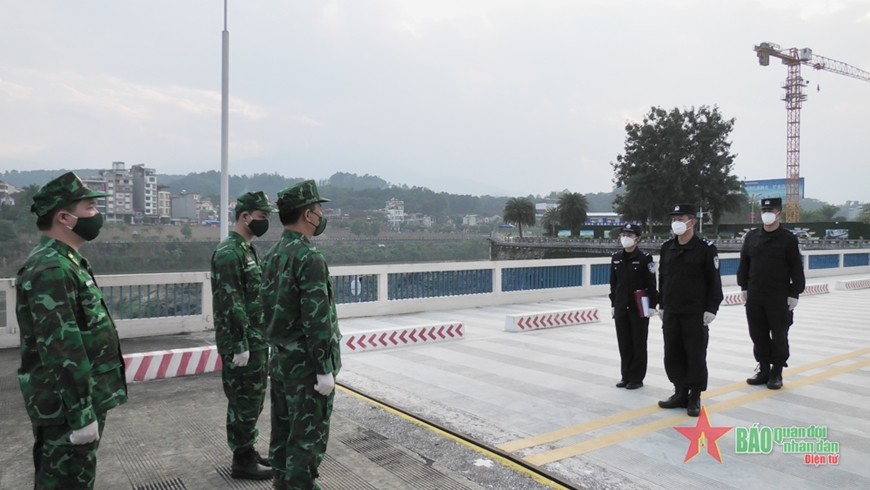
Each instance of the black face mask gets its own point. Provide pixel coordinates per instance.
(320, 226)
(258, 227)
(89, 227)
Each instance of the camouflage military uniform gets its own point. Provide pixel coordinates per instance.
(304, 337)
(238, 321)
(71, 370)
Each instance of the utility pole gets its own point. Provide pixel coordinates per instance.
(225, 124)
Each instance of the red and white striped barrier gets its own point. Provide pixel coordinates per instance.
(731, 299)
(852, 284)
(549, 319)
(143, 366)
(389, 338)
(816, 289)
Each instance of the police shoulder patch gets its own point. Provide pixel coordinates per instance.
(709, 242)
(652, 267)
(716, 261)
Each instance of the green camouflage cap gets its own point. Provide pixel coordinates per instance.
(251, 201)
(66, 189)
(299, 195)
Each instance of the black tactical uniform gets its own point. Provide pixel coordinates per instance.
(689, 285)
(770, 271)
(630, 272)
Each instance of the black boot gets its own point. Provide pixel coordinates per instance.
(762, 374)
(775, 381)
(693, 408)
(263, 461)
(245, 465)
(679, 399)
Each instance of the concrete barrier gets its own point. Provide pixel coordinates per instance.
(144, 366)
(735, 298)
(390, 338)
(852, 284)
(549, 319)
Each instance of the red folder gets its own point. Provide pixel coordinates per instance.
(641, 299)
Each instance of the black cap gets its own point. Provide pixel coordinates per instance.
(771, 203)
(688, 209)
(631, 228)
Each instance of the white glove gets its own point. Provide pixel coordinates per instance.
(708, 318)
(743, 295)
(325, 384)
(792, 303)
(612, 312)
(652, 312)
(86, 434)
(661, 313)
(241, 359)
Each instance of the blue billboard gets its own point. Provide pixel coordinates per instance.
(770, 188)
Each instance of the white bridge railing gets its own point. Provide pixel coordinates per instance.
(158, 304)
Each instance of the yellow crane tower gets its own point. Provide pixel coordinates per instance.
(793, 58)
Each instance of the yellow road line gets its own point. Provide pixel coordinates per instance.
(654, 426)
(629, 415)
(480, 449)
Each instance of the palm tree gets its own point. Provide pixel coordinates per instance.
(572, 210)
(550, 221)
(520, 211)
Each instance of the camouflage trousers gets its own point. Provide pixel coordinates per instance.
(61, 465)
(300, 430)
(245, 388)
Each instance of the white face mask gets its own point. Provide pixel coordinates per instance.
(678, 227)
(768, 218)
(626, 241)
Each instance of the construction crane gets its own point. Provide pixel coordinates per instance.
(793, 58)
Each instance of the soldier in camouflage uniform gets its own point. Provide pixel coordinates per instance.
(300, 316)
(240, 333)
(71, 370)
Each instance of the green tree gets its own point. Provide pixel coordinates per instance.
(374, 228)
(550, 222)
(358, 227)
(572, 211)
(677, 156)
(519, 211)
(864, 217)
(187, 231)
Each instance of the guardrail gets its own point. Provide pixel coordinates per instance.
(158, 304)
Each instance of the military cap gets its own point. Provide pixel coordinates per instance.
(771, 203)
(66, 189)
(631, 228)
(678, 209)
(252, 201)
(299, 195)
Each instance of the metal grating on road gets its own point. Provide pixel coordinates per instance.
(336, 476)
(212, 444)
(173, 484)
(412, 471)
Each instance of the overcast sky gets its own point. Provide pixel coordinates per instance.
(502, 97)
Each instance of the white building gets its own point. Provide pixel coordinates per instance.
(395, 211)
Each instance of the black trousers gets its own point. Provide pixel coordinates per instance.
(631, 336)
(768, 322)
(686, 339)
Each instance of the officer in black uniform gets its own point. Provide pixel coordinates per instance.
(771, 276)
(631, 270)
(690, 291)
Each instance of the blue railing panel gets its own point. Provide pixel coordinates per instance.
(824, 261)
(433, 284)
(360, 288)
(728, 267)
(856, 260)
(153, 300)
(530, 278)
(600, 274)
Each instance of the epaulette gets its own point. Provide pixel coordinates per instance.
(709, 242)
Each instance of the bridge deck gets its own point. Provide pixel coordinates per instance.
(546, 395)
